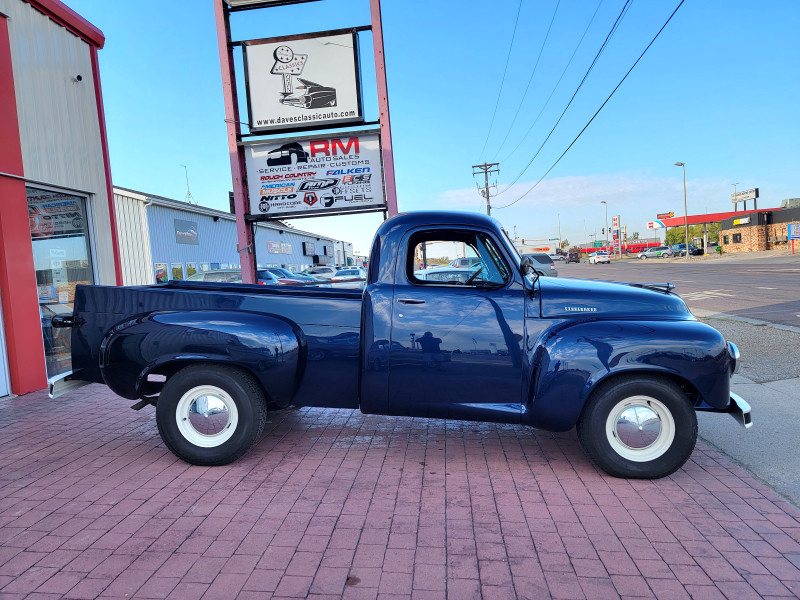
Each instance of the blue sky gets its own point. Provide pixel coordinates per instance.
(718, 90)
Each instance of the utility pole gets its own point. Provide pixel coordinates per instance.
(559, 231)
(735, 202)
(486, 169)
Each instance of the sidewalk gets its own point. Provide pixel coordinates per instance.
(334, 503)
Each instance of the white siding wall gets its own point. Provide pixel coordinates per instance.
(58, 120)
(134, 238)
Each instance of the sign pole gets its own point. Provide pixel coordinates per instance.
(383, 106)
(244, 231)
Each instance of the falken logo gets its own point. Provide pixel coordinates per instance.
(580, 309)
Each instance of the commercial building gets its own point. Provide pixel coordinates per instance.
(163, 239)
(758, 230)
(57, 225)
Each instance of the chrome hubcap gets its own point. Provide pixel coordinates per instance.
(638, 427)
(207, 416)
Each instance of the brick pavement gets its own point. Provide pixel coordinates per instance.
(332, 503)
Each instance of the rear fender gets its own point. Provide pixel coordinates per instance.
(572, 360)
(266, 345)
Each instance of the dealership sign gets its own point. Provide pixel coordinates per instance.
(751, 194)
(301, 177)
(52, 214)
(303, 82)
(186, 232)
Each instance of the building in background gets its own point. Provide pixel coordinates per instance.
(57, 225)
(163, 239)
(759, 230)
(343, 254)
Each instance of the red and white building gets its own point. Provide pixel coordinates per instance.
(57, 224)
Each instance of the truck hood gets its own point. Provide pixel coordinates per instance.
(586, 298)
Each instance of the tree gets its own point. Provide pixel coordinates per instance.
(677, 235)
(634, 236)
(564, 244)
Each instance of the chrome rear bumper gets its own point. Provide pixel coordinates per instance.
(740, 410)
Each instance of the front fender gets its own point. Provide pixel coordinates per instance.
(572, 358)
(268, 346)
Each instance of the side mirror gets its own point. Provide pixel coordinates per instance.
(527, 266)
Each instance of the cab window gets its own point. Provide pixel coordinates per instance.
(455, 258)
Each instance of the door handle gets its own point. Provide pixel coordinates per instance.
(410, 301)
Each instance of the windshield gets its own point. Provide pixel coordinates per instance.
(512, 248)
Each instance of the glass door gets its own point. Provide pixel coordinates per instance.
(62, 260)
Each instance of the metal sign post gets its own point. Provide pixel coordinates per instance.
(244, 230)
(383, 106)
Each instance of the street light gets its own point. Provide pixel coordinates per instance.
(735, 202)
(685, 210)
(605, 241)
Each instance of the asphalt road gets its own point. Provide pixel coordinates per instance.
(755, 286)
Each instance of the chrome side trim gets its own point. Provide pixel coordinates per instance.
(61, 384)
(740, 410)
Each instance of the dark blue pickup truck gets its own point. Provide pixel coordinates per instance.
(626, 364)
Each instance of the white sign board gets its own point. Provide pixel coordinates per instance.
(296, 83)
(745, 195)
(315, 175)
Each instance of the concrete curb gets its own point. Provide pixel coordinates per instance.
(710, 314)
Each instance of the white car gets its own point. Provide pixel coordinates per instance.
(599, 257)
(556, 256)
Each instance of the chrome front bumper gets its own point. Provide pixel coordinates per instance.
(740, 410)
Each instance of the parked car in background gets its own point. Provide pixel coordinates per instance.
(349, 274)
(680, 250)
(321, 272)
(445, 274)
(556, 257)
(599, 257)
(542, 264)
(467, 262)
(218, 276)
(574, 257)
(656, 252)
(281, 276)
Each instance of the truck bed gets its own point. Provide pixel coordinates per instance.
(325, 321)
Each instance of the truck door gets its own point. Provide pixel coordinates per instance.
(456, 343)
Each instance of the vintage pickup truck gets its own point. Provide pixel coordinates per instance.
(627, 364)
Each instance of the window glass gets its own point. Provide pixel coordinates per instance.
(455, 258)
(191, 269)
(204, 267)
(62, 260)
(160, 270)
(737, 238)
(177, 271)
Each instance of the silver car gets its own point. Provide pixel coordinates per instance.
(543, 264)
(657, 252)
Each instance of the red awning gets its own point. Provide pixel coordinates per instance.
(710, 217)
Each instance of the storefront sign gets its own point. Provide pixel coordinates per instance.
(309, 249)
(742, 221)
(667, 215)
(657, 224)
(315, 176)
(794, 231)
(303, 81)
(51, 214)
(186, 232)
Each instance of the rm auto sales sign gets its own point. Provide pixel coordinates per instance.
(315, 175)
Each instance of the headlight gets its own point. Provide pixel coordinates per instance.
(733, 350)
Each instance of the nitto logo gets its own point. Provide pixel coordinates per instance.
(310, 199)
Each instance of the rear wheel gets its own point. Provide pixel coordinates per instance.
(638, 427)
(210, 414)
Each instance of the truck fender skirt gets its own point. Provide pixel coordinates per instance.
(266, 345)
(571, 361)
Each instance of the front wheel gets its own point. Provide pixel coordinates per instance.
(211, 415)
(638, 427)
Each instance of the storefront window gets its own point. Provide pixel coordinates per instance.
(161, 272)
(191, 269)
(177, 271)
(62, 260)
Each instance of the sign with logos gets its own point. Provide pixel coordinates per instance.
(186, 232)
(657, 224)
(52, 214)
(313, 176)
(667, 215)
(615, 222)
(794, 231)
(279, 248)
(309, 249)
(742, 221)
(751, 194)
(303, 81)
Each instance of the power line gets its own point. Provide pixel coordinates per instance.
(564, 72)
(530, 79)
(589, 70)
(598, 110)
(503, 80)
